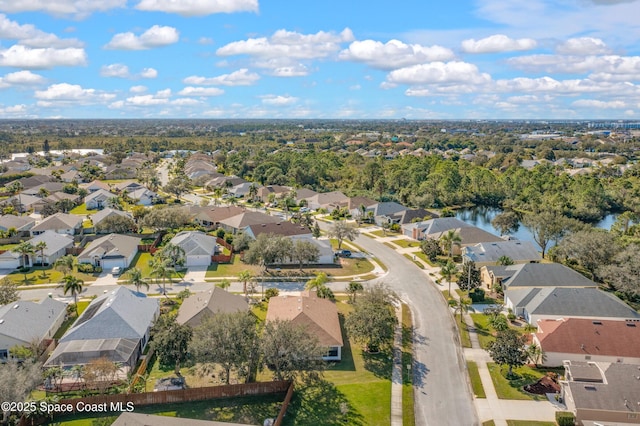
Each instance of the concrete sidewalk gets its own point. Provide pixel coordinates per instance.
(396, 374)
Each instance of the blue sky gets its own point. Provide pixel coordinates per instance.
(463, 59)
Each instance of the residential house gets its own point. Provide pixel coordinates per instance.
(410, 215)
(326, 200)
(485, 254)
(210, 217)
(47, 187)
(383, 213)
(24, 203)
(10, 260)
(98, 217)
(143, 196)
(115, 325)
(119, 171)
(538, 303)
(62, 196)
(56, 247)
(71, 176)
(304, 193)
(602, 393)
(354, 206)
(198, 247)
(318, 316)
(277, 190)
(31, 181)
(19, 223)
(247, 218)
(110, 251)
(202, 305)
(581, 339)
(25, 323)
(62, 223)
(128, 186)
(98, 199)
(533, 275)
(240, 190)
(439, 227)
(95, 185)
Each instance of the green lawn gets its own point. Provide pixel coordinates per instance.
(410, 257)
(529, 423)
(463, 331)
(474, 377)
(483, 329)
(408, 414)
(489, 423)
(141, 261)
(424, 257)
(219, 270)
(45, 275)
(8, 247)
(406, 243)
(360, 384)
(512, 389)
(381, 233)
(82, 210)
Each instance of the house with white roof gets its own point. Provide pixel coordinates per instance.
(110, 251)
(56, 247)
(62, 223)
(98, 199)
(198, 247)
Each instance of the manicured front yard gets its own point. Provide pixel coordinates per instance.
(382, 234)
(82, 210)
(476, 382)
(142, 261)
(512, 389)
(404, 243)
(529, 423)
(463, 331)
(45, 275)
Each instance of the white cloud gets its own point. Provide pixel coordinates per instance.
(156, 36)
(438, 72)
(596, 104)
(201, 91)
(21, 78)
(146, 100)
(122, 71)
(42, 58)
(393, 54)
(582, 46)
(198, 7)
(289, 44)
(279, 100)
(29, 35)
(497, 43)
(297, 70)
(608, 64)
(241, 77)
(149, 73)
(75, 8)
(138, 89)
(65, 94)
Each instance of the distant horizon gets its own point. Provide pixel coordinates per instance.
(309, 119)
(330, 60)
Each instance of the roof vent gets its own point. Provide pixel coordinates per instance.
(1, 321)
(16, 306)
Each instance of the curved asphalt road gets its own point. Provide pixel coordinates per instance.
(442, 393)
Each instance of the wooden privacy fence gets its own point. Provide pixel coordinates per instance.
(184, 395)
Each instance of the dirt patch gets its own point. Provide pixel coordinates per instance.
(547, 384)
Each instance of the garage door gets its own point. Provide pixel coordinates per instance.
(9, 263)
(201, 260)
(108, 264)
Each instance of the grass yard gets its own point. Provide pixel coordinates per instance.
(82, 210)
(512, 389)
(8, 247)
(404, 243)
(380, 233)
(483, 329)
(410, 257)
(355, 391)
(489, 423)
(463, 332)
(408, 414)
(424, 257)
(141, 261)
(474, 377)
(45, 275)
(219, 270)
(247, 410)
(529, 423)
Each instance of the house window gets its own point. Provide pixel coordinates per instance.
(4, 354)
(332, 352)
(587, 357)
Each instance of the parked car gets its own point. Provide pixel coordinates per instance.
(116, 270)
(343, 253)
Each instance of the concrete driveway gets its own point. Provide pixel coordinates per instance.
(195, 274)
(105, 278)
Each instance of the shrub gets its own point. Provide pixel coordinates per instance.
(271, 292)
(220, 233)
(477, 295)
(86, 268)
(565, 418)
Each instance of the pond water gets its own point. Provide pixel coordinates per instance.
(482, 217)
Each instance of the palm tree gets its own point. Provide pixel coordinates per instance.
(73, 285)
(161, 268)
(224, 284)
(64, 264)
(450, 239)
(448, 271)
(353, 288)
(461, 306)
(245, 276)
(25, 249)
(41, 247)
(535, 354)
(217, 193)
(135, 277)
(505, 260)
(253, 192)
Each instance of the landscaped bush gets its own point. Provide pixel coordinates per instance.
(565, 418)
(88, 268)
(24, 269)
(271, 292)
(477, 295)
(220, 233)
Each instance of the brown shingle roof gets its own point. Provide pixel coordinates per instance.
(590, 337)
(249, 218)
(200, 305)
(318, 316)
(286, 229)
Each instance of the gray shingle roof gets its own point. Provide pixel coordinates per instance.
(195, 243)
(491, 252)
(26, 321)
(96, 218)
(111, 246)
(208, 303)
(58, 221)
(621, 384)
(115, 315)
(8, 221)
(542, 275)
(53, 240)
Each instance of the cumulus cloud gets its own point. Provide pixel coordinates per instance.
(21, 78)
(393, 54)
(156, 36)
(66, 94)
(497, 43)
(198, 7)
(41, 58)
(596, 104)
(279, 100)
(241, 77)
(29, 35)
(75, 8)
(438, 72)
(138, 89)
(582, 46)
(608, 64)
(201, 91)
(289, 44)
(122, 71)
